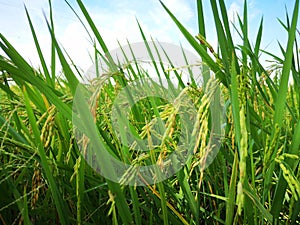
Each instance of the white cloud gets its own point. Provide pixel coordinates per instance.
(74, 41)
(237, 7)
(181, 9)
(234, 9)
(15, 27)
(121, 25)
(115, 22)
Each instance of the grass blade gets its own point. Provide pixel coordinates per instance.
(281, 99)
(38, 48)
(62, 210)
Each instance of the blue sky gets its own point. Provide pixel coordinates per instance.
(117, 20)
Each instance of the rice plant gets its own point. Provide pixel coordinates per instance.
(46, 177)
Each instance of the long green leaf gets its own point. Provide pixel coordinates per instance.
(62, 209)
(281, 99)
(69, 74)
(38, 48)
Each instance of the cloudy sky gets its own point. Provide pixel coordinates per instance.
(116, 20)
